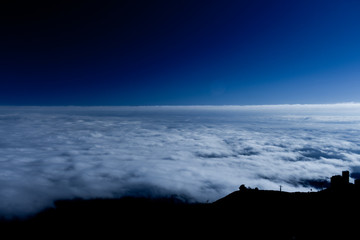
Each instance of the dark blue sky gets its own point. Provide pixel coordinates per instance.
(179, 52)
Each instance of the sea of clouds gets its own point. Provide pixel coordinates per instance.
(195, 153)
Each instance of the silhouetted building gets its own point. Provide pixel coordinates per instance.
(345, 176)
(357, 183)
(338, 181)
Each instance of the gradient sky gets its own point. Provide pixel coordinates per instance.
(179, 52)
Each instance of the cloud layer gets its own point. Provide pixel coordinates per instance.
(197, 153)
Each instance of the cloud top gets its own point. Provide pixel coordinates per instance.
(197, 153)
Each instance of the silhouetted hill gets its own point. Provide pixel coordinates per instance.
(244, 214)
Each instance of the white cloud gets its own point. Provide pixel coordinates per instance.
(203, 153)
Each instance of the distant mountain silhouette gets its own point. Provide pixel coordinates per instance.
(244, 214)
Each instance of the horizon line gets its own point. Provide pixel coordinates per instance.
(196, 106)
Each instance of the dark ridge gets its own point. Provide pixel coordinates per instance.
(245, 214)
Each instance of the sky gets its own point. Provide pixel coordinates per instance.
(179, 52)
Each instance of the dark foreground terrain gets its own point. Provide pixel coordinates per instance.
(245, 214)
